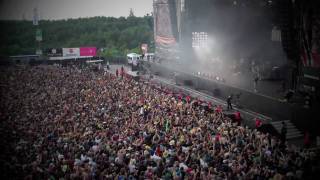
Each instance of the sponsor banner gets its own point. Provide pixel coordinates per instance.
(54, 52)
(70, 57)
(71, 52)
(165, 27)
(163, 19)
(88, 51)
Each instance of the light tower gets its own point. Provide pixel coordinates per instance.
(38, 33)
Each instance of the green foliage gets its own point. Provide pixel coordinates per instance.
(116, 35)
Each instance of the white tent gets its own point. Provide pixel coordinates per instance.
(133, 58)
(148, 56)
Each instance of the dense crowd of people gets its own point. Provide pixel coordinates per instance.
(70, 123)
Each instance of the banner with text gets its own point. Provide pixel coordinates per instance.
(88, 51)
(165, 28)
(71, 52)
(54, 52)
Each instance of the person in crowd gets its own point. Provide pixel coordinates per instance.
(229, 104)
(108, 65)
(237, 117)
(283, 132)
(258, 124)
(288, 96)
(122, 72)
(237, 99)
(62, 123)
(306, 140)
(255, 82)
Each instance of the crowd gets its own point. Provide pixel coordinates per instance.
(70, 123)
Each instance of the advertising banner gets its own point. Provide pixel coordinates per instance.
(164, 30)
(71, 52)
(54, 52)
(88, 51)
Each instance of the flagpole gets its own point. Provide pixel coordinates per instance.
(38, 33)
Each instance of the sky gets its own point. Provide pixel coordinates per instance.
(64, 9)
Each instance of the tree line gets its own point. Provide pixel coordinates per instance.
(113, 36)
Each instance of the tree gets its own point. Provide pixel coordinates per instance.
(115, 34)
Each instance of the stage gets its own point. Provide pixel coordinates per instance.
(269, 106)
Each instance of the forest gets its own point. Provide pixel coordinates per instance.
(114, 37)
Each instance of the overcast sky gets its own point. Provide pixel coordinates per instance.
(63, 9)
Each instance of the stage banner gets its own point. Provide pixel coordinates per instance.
(310, 46)
(88, 51)
(164, 33)
(71, 52)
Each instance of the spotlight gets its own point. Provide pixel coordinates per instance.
(199, 39)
